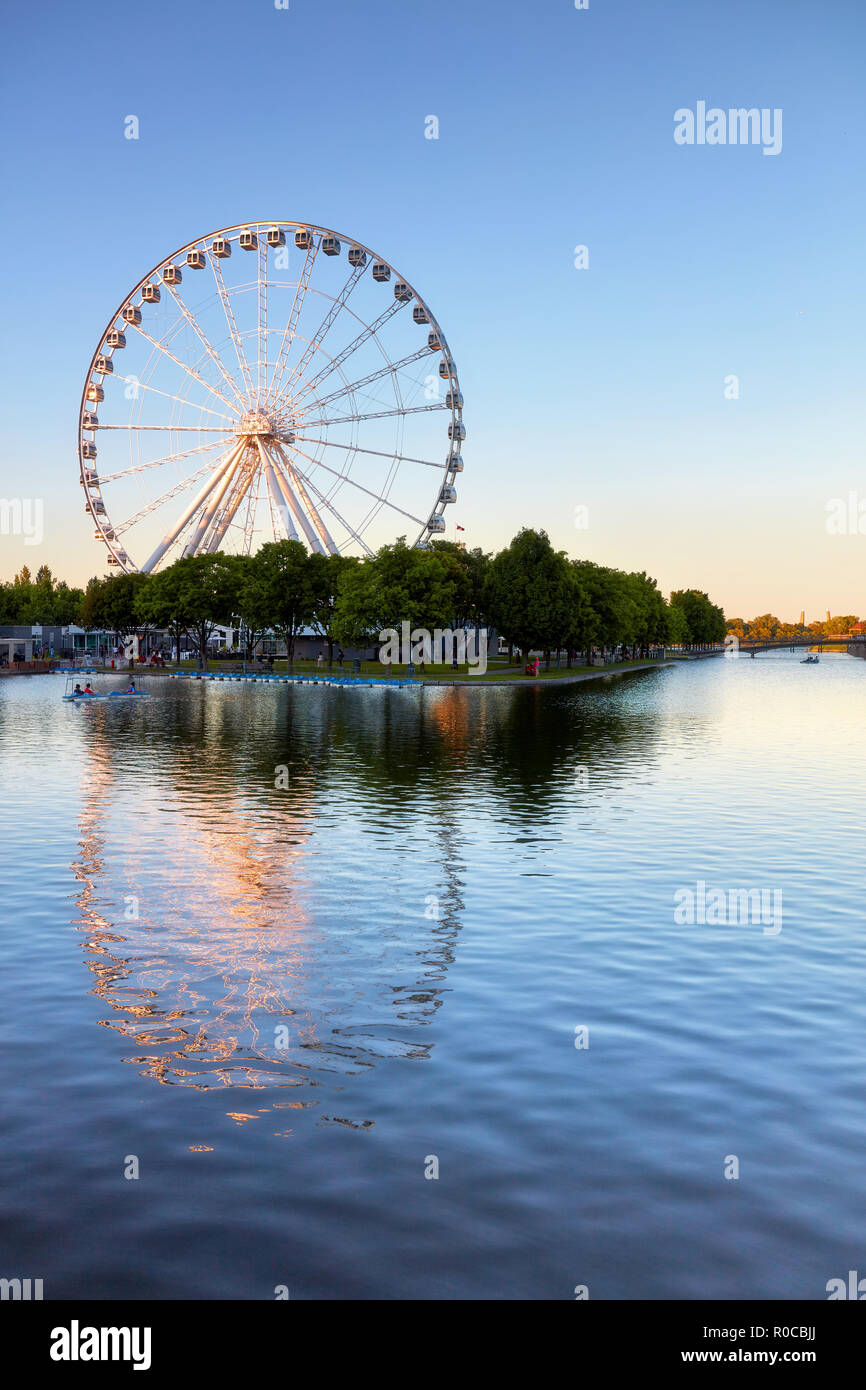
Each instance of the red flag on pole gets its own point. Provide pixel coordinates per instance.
(461, 528)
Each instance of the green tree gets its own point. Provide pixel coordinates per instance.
(399, 584)
(529, 592)
(705, 622)
(841, 626)
(676, 626)
(327, 574)
(193, 595)
(277, 591)
(468, 569)
(613, 601)
(252, 625)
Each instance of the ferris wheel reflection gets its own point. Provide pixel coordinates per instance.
(221, 957)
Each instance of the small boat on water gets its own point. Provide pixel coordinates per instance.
(81, 697)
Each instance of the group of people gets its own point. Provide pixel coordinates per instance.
(80, 694)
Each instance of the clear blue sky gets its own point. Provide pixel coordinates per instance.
(602, 387)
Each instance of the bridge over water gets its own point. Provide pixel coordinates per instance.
(855, 646)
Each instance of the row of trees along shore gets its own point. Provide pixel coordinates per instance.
(535, 597)
(768, 628)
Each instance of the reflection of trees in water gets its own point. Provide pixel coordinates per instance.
(245, 926)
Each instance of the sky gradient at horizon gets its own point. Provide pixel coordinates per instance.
(602, 388)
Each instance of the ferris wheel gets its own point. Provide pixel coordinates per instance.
(269, 380)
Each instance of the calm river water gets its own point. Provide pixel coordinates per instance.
(448, 939)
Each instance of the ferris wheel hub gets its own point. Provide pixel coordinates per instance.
(257, 422)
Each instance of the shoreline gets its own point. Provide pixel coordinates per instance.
(603, 673)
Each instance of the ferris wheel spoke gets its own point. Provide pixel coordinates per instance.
(294, 314)
(186, 517)
(190, 371)
(232, 324)
(181, 400)
(208, 512)
(368, 332)
(209, 349)
(379, 453)
(262, 372)
(344, 477)
(363, 381)
(374, 415)
(323, 540)
(175, 429)
(158, 463)
(315, 342)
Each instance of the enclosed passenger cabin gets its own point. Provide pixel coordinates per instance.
(248, 239)
(275, 236)
(436, 523)
(131, 314)
(331, 246)
(150, 294)
(196, 260)
(448, 494)
(90, 477)
(172, 275)
(221, 247)
(115, 338)
(104, 365)
(454, 400)
(434, 341)
(89, 420)
(113, 560)
(94, 393)
(107, 532)
(455, 463)
(88, 449)
(96, 506)
(381, 271)
(402, 290)
(303, 238)
(447, 368)
(419, 314)
(357, 256)
(457, 430)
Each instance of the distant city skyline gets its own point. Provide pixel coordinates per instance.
(659, 341)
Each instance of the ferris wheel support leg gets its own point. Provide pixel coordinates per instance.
(277, 499)
(220, 526)
(193, 544)
(171, 536)
(326, 542)
(288, 492)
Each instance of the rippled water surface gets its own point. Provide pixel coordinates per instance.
(287, 947)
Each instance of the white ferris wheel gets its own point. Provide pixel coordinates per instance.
(249, 389)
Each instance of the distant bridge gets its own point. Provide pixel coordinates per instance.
(855, 646)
